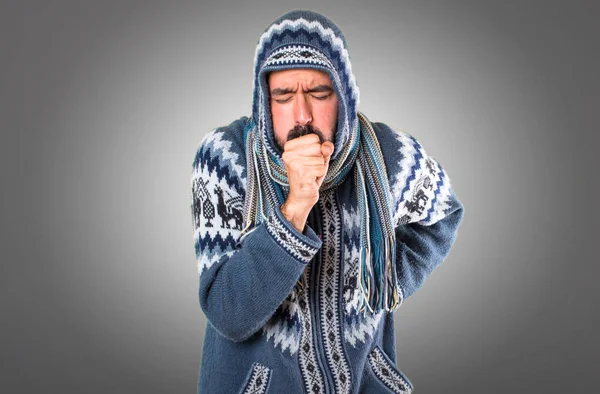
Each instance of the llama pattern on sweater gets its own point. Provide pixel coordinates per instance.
(419, 184)
(286, 308)
(219, 187)
(218, 183)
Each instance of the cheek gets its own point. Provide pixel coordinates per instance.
(334, 114)
(279, 119)
(330, 113)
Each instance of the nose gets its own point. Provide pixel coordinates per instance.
(302, 110)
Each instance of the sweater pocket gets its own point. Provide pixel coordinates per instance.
(258, 380)
(387, 373)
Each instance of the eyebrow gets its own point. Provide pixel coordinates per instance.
(316, 89)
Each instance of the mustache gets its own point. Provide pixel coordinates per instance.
(299, 131)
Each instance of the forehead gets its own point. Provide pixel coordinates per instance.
(292, 77)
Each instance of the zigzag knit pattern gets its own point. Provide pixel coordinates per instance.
(259, 380)
(419, 185)
(218, 182)
(284, 327)
(386, 371)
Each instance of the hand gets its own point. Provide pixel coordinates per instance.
(306, 161)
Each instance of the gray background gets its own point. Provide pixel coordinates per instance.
(104, 103)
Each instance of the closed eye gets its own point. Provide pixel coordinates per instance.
(319, 89)
(322, 97)
(282, 101)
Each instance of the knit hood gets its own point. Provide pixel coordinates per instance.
(305, 39)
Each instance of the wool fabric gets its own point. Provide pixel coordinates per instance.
(311, 312)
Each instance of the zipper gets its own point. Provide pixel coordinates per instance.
(315, 216)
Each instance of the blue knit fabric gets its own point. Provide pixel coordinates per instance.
(284, 307)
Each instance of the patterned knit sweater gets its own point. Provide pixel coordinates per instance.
(285, 309)
(264, 334)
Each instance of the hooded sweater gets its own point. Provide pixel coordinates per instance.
(286, 309)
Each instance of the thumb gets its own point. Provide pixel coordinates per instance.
(327, 150)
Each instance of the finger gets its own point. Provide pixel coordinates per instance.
(306, 150)
(303, 140)
(316, 178)
(302, 161)
(327, 148)
(319, 180)
(316, 171)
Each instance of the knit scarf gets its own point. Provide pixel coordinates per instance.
(362, 156)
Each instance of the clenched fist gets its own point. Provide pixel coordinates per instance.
(306, 161)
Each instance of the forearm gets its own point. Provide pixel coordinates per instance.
(240, 292)
(296, 216)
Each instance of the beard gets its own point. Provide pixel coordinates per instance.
(299, 131)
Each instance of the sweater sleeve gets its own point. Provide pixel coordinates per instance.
(242, 280)
(427, 211)
(421, 246)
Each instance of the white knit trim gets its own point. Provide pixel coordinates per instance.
(290, 242)
(297, 53)
(309, 367)
(259, 379)
(330, 289)
(388, 373)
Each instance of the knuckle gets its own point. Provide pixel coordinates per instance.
(287, 145)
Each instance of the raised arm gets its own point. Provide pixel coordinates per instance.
(242, 281)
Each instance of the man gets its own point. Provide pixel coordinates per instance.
(311, 226)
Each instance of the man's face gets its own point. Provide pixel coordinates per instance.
(301, 98)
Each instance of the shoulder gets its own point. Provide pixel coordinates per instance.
(399, 148)
(221, 154)
(418, 183)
